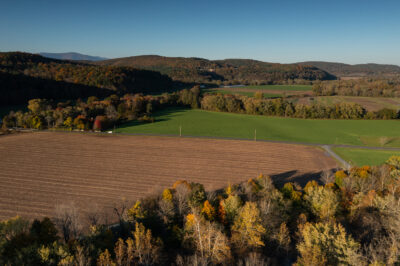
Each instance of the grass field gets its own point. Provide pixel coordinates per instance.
(360, 157)
(214, 124)
(240, 92)
(280, 87)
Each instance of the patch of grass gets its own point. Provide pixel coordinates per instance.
(360, 157)
(215, 124)
(280, 87)
(244, 93)
(381, 141)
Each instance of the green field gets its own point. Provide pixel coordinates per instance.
(360, 157)
(245, 93)
(280, 87)
(214, 124)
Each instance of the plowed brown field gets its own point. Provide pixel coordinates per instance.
(40, 170)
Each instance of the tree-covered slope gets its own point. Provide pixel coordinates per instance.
(24, 76)
(342, 70)
(228, 71)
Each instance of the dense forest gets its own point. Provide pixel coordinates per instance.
(370, 87)
(26, 76)
(230, 71)
(347, 218)
(358, 70)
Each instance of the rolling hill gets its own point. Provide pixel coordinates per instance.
(360, 70)
(24, 76)
(72, 56)
(229, 71)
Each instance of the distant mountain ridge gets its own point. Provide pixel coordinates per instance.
(358, 70)
(72, 56)
(236, 71)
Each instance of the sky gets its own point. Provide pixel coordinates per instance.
(285, 31)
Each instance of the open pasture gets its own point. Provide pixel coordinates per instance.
(41, 170)
(269, 91)
(382, 133)
(360, 157)
(280, 87)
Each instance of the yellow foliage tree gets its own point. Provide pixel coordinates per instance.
(231, 207)
(247, 230)
(167, 195)
(136, 212)
(322, 201)
(326, 244)
(105, 259)
(208, 211)
(69, 122)
(145, 246)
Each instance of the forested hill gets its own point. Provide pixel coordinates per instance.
(229, 71)
(24, 76)
(360, 70)
(72, 56)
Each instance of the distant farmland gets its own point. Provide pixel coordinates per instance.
(269, 91)
(369, 103)
(42, 170)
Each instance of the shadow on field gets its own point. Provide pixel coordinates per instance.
(294, 177)
(166, 115)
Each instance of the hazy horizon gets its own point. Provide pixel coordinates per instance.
(351, 32)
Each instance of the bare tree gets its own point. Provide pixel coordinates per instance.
(68, 220)
(253, 259)
(192, 261)
(181, 197)
(82, 257)
(327, 177)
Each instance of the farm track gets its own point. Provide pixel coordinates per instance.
(42, 169)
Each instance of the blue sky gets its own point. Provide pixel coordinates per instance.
(275, 31)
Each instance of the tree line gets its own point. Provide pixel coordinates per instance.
(368, 87)
(284, 108)
(350, 218)
(96, 114)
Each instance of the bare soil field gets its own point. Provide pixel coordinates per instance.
(40, 170)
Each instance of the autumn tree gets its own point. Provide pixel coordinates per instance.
(146, 248)
(209, 241)
(37, 105)
(327, 244)
(322, 201)
(247, 230)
